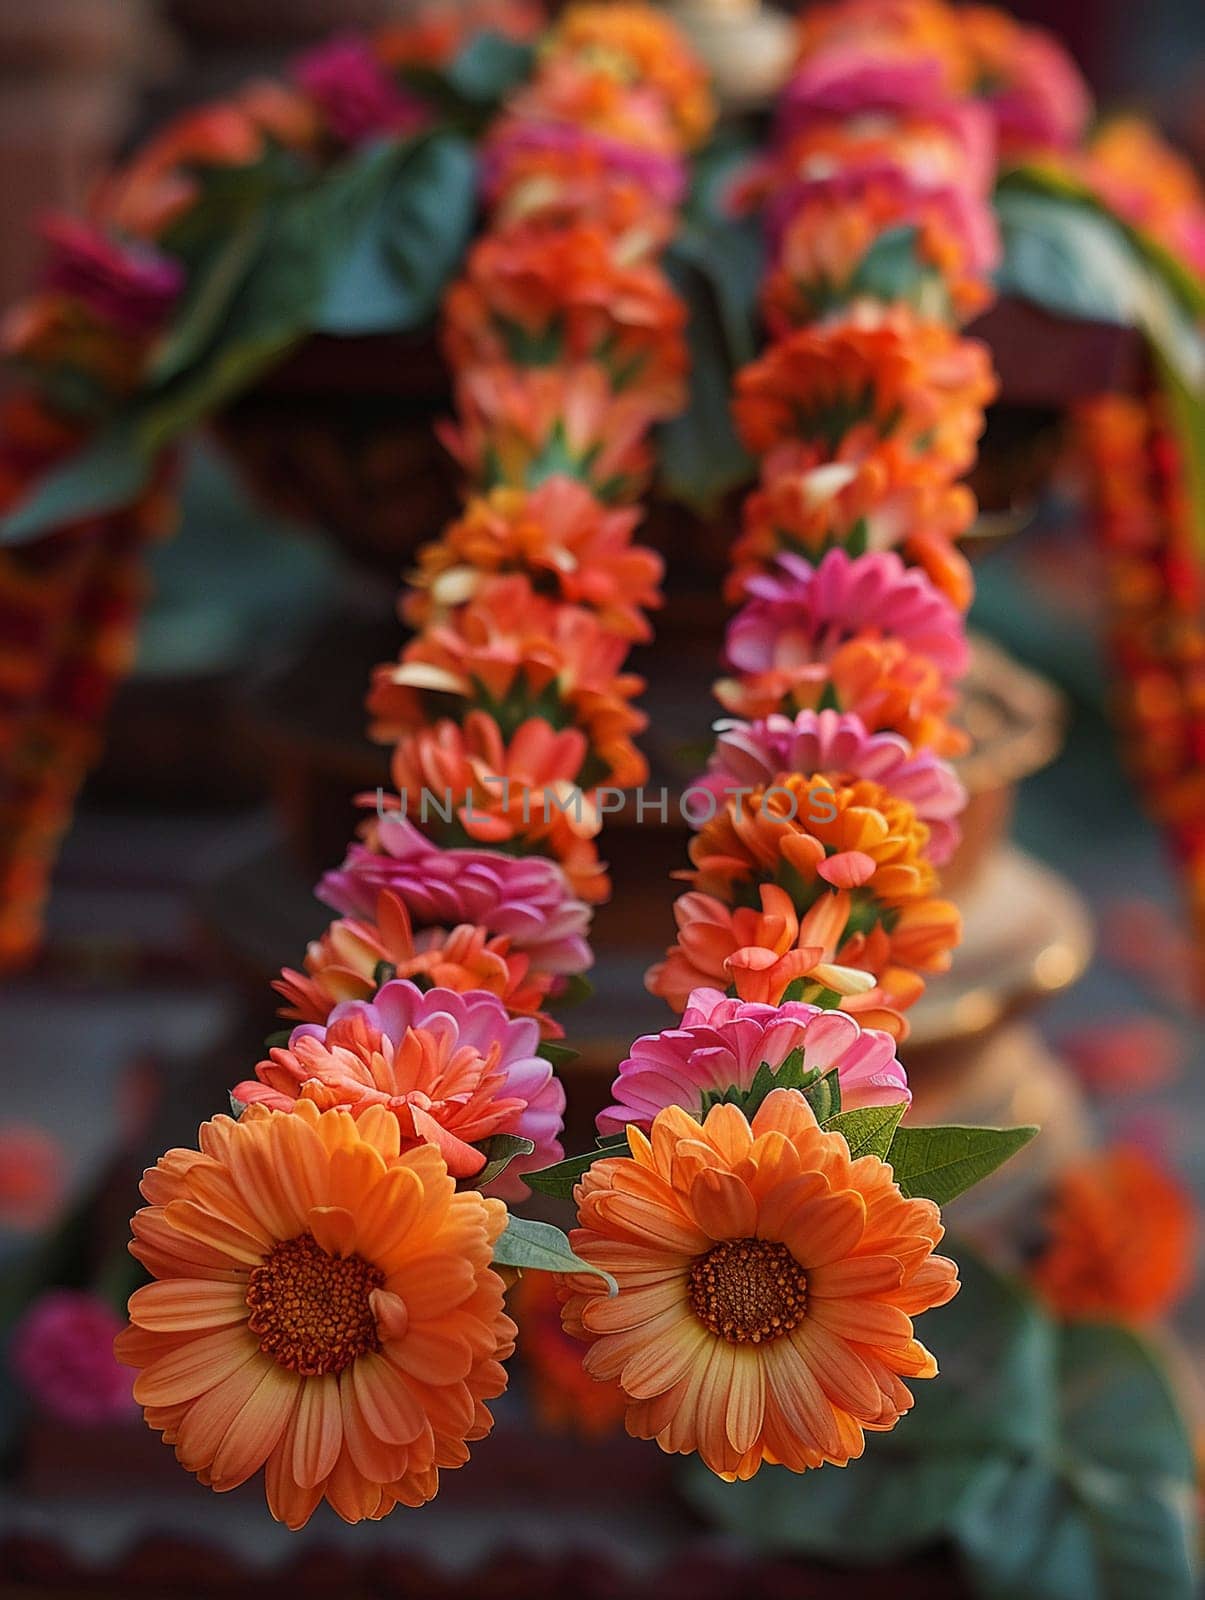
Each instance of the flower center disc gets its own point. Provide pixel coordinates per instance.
(748, 1291)
(310, 1310)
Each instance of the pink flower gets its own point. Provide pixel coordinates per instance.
(453, 1068)
(62, 1351)
(1031, 86)
(750, 754)
(131, 286)
(798, 615)
(526, 898)
(847, 83)
(720, 1044)
(663, 176)
(355, 93)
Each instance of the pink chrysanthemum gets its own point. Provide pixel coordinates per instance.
(798, 615)
(62, 1351)
(453, 1068)
(752, 754)
(528, 899)
(721, 1043)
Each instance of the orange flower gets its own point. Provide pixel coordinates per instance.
(53, 330)
(590, 99)
(900, 29)
(761, 953)
(1121, 1239)
(542, 296)
(767, 1286)
(565, 1399)
(346, 964)
(643, 50)
(872, 842)
(519, 426)
(518, 655)
(808, 505)
(565, 184)
(325, 1309)
(159, 184)
(829, 235)
(521, 790)
(560, 536)
(890, 687)
(878, 379)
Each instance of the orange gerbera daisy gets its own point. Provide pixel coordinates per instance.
(565, 1399)
(520, 655)
(767, 1285)
(354, 957)
(812, 833)
(325, 1308)
(560, 536)
(1121, 1238)
(879, 377)
(809, 505)
(539, 295)
(641, 49)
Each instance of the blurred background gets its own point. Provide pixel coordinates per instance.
(232, 754)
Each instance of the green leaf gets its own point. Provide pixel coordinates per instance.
(869, 1130)
(500, 1149)
(825, 1097)
(490, 67)
(560, 1180)
(541, 1247)
(108, 473)
(716, 273)
(940, 1163)
(560, 1055)
(212, 286)
(894, 270)
(404, 237)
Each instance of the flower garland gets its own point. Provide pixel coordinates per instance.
(325, 1304)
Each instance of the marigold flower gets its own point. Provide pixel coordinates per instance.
(453, 1069)
(62, 1352)
(893, 32)
(326, 1309)
(815, 832)
(721, 1043)
(562, 174)
(345, 963)
(565, 1399)
(584, 95)
(644, 50)
(1121, 1237)
(767, 1286)
(878, 377)
(833, 224)
(755, 753)
(520, 655)
(560, 536)
(515, 793)
(807, 505)
(517, 426)
(542, 296)
(763, 952)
